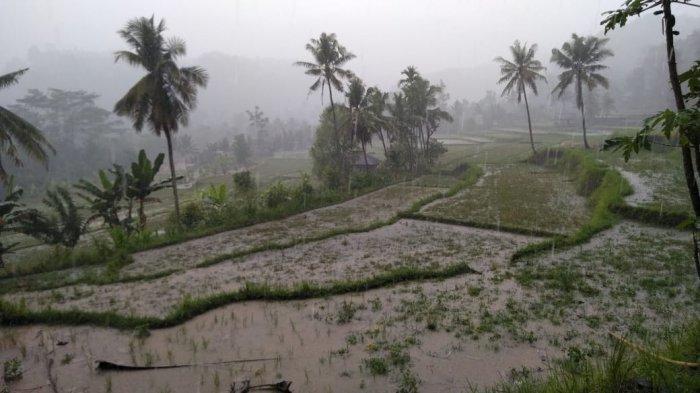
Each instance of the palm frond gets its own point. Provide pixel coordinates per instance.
(11, 78)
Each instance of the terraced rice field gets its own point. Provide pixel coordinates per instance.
(521, 197)
(495, 321)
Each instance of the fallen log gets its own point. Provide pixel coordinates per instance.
(104, 365)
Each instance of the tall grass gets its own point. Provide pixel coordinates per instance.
(622, 371)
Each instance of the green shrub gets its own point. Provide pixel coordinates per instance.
(12, 370)
(376, 366)
(276, 195)
(192, 215)
(243, 184)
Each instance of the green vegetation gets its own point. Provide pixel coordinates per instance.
(12, 370)
(622, 370)
(63, 226)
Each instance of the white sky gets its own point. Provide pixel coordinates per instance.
(385, 35)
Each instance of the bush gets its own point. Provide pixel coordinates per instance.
(276, 195)
(215, 195)
(303, 192)
(192, 215)
(12, 370)
(362, 180)
(243, 184)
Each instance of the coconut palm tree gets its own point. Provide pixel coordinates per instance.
(18, 134)
(164, 97)
(377, 106)
(580, 58)
(328, 59)
(521, 72)
(360, 115)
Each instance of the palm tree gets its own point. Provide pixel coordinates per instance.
(11, 210)
(521, 72)
(580, 58)
(16, 132)
(377, 106)
(359, 114)
(163, 97)
(328, 59)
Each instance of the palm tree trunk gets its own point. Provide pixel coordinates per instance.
(330, 95)
(529, 122)
(583, 123)
(381, 137)
(579, 102)
(691, 182)
(142, 215)
(364, 151)
(168, 138)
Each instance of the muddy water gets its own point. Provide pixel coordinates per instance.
(307, 344)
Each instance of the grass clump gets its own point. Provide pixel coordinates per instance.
(12, 370)
(622, 370)
(376, 366)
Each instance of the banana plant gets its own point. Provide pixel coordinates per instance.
(63, 226)
(140, 183)
(11, 210)
(105, 197)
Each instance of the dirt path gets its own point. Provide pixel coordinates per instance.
(643, 193)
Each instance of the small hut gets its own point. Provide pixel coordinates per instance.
(359, 162)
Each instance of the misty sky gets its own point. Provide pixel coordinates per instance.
(385, 35)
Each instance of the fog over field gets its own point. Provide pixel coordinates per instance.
(249, 46)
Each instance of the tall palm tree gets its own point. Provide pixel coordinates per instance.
(521, 72)
(163, 97)
(328, 59)
(16, 132)
(377, 106)
(360, 115)
(580, 58)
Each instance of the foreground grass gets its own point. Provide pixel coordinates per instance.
(624, 369)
